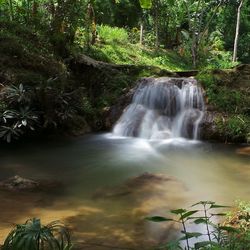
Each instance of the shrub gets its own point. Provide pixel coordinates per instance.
(218, 94)
(109, 34)
(32, 235)
(219, 236)
(235, 127)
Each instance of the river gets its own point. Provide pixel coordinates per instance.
(108, 185)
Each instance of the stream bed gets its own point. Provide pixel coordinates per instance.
(108, 185)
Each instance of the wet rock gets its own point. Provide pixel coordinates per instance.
(113, 113)
(17, 183)
(208, 127)
(147, 178)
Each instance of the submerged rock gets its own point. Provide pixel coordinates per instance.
(147, 194)
(243, 151)
(18, 183)
(148, 191)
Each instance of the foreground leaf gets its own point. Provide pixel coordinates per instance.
(190, 235)
(158, 219)
(201, 244)
(178, 211)
(187, 214)
(230, 229)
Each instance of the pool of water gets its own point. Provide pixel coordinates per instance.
(105, 194)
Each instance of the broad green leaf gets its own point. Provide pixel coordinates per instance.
(217, 206)
(187, 214)
(178, 211)
(200, 221)
(158, 219)
(185, 34)
(172, 245)
(146, 4)
(219, 214)
(205, 244)
(229, 229)
(190, 235)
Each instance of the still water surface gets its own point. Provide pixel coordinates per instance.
(101, 198)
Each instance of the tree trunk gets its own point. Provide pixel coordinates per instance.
(194, 51)
(157, 8)
(237, 32)
(141, 33)
(11, 10)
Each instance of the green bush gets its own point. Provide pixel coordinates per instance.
(235, 127)
(32, 235)
(109, 34)
(232, 234)
(220, 60)
(218, 94)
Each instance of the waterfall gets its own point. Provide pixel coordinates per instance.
(163, 108)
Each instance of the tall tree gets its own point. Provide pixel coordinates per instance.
(145, 5)
(236, 39)
(200, 15)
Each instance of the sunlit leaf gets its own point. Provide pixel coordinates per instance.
(146, 4)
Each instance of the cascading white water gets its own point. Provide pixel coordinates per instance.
(163, 108)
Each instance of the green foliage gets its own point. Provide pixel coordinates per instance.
(234, 124)
(218, 94)
(233, 234)
(33, 235)
(235, 127)
(136, 55)
(217, 60)
(111, 35)
(16, 116)
(146, 4)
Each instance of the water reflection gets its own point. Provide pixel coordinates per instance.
(105, 196)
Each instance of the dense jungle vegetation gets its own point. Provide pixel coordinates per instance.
(41, 42)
